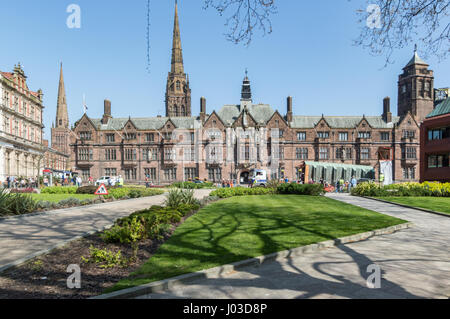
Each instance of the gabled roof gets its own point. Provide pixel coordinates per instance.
(261, 113)
(441, 109)
(147, 123)
(7, 75)
(343, 122)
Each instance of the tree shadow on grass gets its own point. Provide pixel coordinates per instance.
(298, 281)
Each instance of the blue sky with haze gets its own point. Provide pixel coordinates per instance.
(309, 55)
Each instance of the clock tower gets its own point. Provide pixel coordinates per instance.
(178, 92)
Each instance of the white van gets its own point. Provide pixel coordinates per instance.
(107, 180)
(258, 177)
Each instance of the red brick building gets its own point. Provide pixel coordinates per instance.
(435, 144)
(228, 143)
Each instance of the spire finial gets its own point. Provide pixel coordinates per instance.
(415, 48)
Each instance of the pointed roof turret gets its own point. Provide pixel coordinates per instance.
(177, 52)
(62, 117)
(416, 59)
(246, 93)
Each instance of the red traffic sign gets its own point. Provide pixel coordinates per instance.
(102, 190)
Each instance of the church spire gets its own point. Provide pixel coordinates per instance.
(62, 117)
(178, 92)
(177, 52)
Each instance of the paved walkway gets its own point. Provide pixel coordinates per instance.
(415, 263)
(24, 237)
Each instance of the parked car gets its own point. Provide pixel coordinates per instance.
(107, 180)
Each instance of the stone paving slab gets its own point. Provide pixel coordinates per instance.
(415, 263)
(25, 237)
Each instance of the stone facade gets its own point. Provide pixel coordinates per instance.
(21, 136)
(54, 160)
(229, 142)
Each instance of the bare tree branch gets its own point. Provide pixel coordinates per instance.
(248, 15)
(403, 23)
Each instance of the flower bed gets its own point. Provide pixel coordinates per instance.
(426, 189)
(104, 258)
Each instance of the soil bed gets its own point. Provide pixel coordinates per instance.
(45, 277)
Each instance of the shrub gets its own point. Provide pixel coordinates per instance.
(16, 204)
(70, 202)
(126, 192)
(241, 191)
(60, 190)
(91, 189)
(274, 183)
(105, 258)
(405, 189)
(177, 197)
(192, 185)
(301, 189)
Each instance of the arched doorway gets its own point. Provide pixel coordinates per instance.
(244, 178)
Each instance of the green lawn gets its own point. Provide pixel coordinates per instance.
(437, 204)
(59, 197)
(244, 227)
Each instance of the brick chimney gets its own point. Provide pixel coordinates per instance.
(387, 115)
(107, 112)
(289, 115)
(202, 109)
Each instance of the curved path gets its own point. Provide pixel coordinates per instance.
(24, 237)
(415, 263)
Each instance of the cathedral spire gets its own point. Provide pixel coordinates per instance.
(178, 92)
(177, 53)
(62, 117)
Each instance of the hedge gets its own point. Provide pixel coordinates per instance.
(427, 189)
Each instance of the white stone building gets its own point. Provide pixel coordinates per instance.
(21, 127)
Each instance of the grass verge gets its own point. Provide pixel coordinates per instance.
(437, 204)
(56, 198)
(245, 227)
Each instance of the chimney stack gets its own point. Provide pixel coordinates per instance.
(202, 109)
(289, 115)
(387, 115)
(107, 112)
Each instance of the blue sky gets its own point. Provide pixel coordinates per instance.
(309, 56)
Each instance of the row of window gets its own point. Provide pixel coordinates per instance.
(438, 161)
(20, 129)
(216, 154)
(301, 136)
(343, 136)
(438, 133)
(20, 106)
